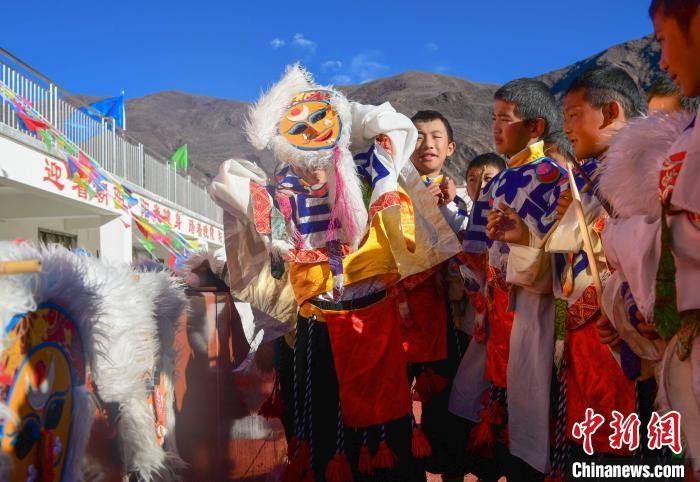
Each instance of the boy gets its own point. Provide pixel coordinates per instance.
(518, 352)
(596, 105)
(435, 145)
(432, 343)
(653, 240)
(665, 96)
(480, 171)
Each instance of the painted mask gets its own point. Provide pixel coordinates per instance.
(41, 365)
(310, 123)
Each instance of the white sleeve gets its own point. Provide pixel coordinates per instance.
(530, 267)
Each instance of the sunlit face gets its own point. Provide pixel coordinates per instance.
(310, 123)
(584, 125)
(432, 148)
(680, 51)
(37, 376)
(511, 134)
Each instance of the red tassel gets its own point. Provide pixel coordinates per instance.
(481, 440)
(339, 469)
(293, 472)
(482, 437)
(420, 447)
(385, 458)
(272, 407)
(304, 455)
(428, 384)
(364, 465)
(292, 446)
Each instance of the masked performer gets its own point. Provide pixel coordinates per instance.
(326, 240)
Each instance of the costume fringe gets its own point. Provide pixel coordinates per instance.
(428, 384)
(364, 464)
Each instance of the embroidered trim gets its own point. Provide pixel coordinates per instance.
(262, 208)
(384, 201)
(669, 175)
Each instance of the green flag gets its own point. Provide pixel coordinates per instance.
(179, 157)
(147, 245)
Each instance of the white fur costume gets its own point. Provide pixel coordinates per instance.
(630, 181)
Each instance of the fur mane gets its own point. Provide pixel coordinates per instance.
(630, 172)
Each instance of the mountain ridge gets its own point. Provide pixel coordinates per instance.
(213, 127)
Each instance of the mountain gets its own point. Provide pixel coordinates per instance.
(213, 128)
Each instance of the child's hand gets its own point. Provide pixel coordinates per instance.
(607, 333)
(504, 224)
(385, 142)
(448, 188)
(563, 204)
(436, 192)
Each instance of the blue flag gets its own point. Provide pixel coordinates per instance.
(112, 107)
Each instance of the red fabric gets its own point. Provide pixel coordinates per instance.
(595, 380)
(500, 324)
(370, 363)
(424, 335)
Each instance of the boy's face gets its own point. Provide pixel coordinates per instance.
(583, 124)
(680, 51)
(475, 181)
(511, 134)
(432, 148)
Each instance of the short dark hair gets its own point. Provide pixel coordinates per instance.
(561, 141)
(533, 100)
(489, 159)
(665, 87)
(681, 11)
(608, 83)
(431, 115)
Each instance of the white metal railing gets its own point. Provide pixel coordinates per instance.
(108, 144)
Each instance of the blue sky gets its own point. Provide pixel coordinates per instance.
(233, 49)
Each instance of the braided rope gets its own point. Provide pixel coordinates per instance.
(297, 421)
(307, 395)
(560, 446)
(340, 435)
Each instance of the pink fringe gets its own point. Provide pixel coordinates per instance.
(341, 203)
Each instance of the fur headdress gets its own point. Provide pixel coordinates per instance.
(262, 129)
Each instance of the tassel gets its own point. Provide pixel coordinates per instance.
(482, 437)
(481, 440)
(273, 406)
(428, 384)
(293, 472)
(292, 447)
(304, 455)
(339, 469)
(364, 465)
(385, 458)
(420, 447)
